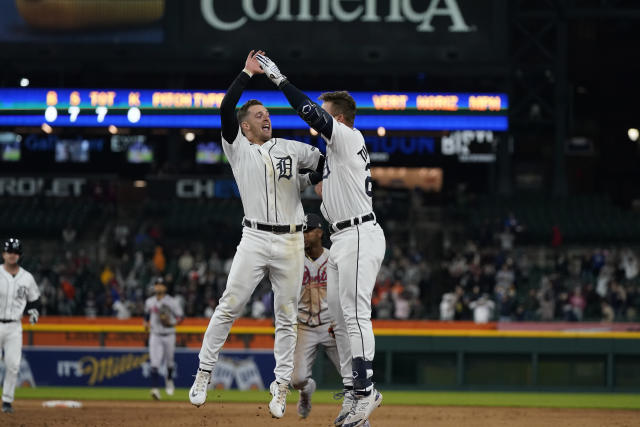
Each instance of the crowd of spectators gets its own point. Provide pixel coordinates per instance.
(486, 279)
(495, 279)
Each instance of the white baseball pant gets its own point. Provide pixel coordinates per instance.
(11, 346)
(281, 256)
(355, 258)
(162, 350)
(309, 340)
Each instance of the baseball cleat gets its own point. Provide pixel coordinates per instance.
(198, 392)
(155, 394)
(7, 408)
(304, 403)
(362, 408)
(347, 404)
(278, 402)
(169, 387)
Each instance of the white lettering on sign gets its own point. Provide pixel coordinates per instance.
(28, 186)
(342, 11)
(195, 188)
(457, 143)
(68, 368)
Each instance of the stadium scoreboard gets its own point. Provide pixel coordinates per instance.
(200, 109)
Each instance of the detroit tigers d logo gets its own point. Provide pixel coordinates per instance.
(284, 167)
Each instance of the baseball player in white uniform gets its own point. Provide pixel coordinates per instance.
(314, 322)
(162, 313)
(18, 290)
(358, 242)
(265, 170)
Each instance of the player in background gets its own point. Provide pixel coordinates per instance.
(162, 313)
(17, 290)
(358, 242)
(314, 323)
(265, 170)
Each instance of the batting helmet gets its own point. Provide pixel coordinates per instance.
(12, 245)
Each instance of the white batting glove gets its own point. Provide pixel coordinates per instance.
(271, 70)
(33, 315)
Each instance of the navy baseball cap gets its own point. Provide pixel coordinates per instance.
(312, 221)
(13, 246)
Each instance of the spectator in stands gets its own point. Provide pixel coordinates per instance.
(185, 262)
(482, 309)
(69, 236)
(578, 303)
(629, 263)
(448, 306)
(546, 299)
(607, 312)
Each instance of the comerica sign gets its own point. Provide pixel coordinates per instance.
(369, 11)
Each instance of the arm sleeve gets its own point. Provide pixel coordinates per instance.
(304, 181)
(34, 304)
(33, 293)
(308, 110)
(228, 119)
(177, 308)
(308, 156)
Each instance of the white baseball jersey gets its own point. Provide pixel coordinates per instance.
(153, 306)
(271, 197)
(15, 292)
(312, 306)
(346, 185)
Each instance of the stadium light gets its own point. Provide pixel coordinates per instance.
(140, 183)
(189, 136)
(382, 131)
(633, 134)
(46, 128)
(112, 129)
(24, 82)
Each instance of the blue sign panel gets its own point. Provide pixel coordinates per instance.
(130, 367)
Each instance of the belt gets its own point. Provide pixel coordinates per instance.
(272, 228)
(341, 225)
(7, 320)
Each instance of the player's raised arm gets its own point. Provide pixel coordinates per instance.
(228, 118)
(308, 110)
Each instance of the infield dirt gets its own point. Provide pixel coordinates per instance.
(160, 414)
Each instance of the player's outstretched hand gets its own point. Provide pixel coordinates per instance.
(33, 315)
(270, 69)
(252, 65)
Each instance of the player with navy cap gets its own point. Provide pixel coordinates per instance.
(18, 290)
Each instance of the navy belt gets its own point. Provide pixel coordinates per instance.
(7, 320)
(272, 228)
(341, 225)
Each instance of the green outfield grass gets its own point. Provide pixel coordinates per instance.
(517, 399)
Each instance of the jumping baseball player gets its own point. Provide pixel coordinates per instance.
(314, 322)
(358, 242)
(17, 290)
(162, 313)
(265, 170)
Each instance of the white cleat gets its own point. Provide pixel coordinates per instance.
(347, 403)
(304, 403)
(362, 408)
(155, 394)
(278, 402)
(198, 392)
(169, 387)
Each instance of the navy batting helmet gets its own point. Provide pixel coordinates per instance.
(12, 245)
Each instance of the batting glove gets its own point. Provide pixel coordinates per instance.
(271, 70)
(33, 315)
